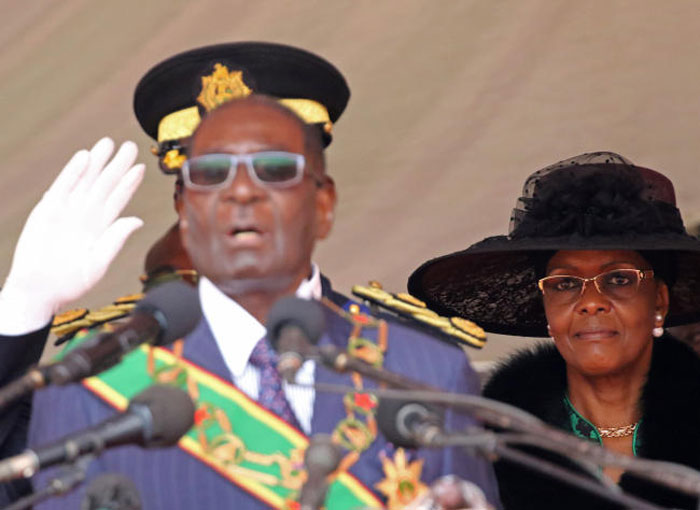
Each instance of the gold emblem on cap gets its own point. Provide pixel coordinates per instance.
(222, 86)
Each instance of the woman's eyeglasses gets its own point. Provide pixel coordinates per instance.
(618, 284)
(271, 169)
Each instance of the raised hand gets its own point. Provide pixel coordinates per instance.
(71, 236)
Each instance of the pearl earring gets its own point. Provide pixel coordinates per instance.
(658, 331)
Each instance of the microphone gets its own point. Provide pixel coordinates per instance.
(339, 360)
(111, 491)
(294, 327)
(321, 458)
(409, 424)
(168, 312)
(156, 417)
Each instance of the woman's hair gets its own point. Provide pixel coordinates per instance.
(664, 265)
(539, 261)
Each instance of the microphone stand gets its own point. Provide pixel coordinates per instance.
(489, 444)
(490, 411)
(505, 416)
(69, 478)
(34, 379)
(537, 433)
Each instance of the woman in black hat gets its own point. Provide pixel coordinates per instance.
(597, 258)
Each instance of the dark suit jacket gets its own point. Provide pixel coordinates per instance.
(171, 479)
(17, 354)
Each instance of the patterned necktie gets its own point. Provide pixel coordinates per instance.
(271, 395)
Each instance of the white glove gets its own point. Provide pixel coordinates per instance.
(71, 236)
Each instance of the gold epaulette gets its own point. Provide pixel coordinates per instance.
(410, 307)
(66, 324)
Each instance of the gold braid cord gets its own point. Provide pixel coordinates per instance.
(358, 430)
(465, 332)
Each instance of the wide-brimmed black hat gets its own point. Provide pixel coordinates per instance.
(596, 201)
(172, 97)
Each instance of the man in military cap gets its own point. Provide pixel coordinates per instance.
(170, 101)
(256, 199)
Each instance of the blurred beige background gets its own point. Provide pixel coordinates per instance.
(454, 103)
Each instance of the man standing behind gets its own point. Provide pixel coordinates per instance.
(256, 200)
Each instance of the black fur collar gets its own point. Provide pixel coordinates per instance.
(535, 380)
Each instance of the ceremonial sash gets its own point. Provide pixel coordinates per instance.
(240, 440)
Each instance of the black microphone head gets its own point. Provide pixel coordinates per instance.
(171, 413)
(293, 311)
(111, 491)
(175, 305)
(322, 456)
(397, 417)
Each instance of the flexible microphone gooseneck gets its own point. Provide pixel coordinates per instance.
(414, 424)
(156, 417)
(168, 312)
(529, 429)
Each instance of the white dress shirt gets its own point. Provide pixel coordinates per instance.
(237, 332)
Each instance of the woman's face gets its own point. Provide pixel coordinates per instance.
(597, 334)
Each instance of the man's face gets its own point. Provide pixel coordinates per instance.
(247, 236)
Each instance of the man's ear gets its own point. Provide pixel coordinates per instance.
(325, 207)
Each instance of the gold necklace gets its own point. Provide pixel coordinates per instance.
(614, 432)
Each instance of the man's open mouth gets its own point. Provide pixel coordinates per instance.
(245, 232)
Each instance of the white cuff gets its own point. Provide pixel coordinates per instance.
(21, 313)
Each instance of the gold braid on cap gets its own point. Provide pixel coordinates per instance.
(179, 124)
(218, 88)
